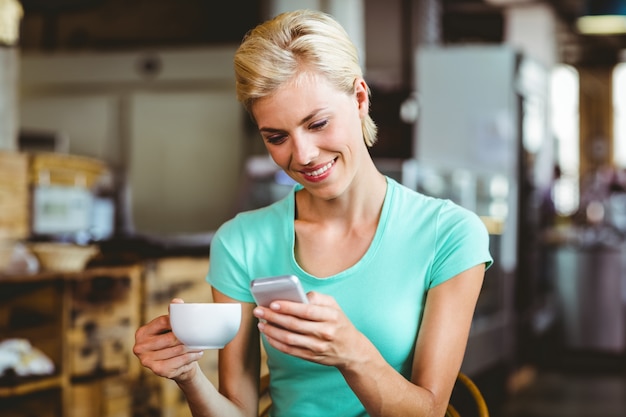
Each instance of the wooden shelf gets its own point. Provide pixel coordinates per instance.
(64, 315)
(112, 271)
(85, 323)
(27, 385)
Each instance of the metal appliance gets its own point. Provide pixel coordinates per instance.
(482, 140)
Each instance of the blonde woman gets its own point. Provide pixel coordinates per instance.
(392, 276)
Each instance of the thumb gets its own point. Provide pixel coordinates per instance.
(175, 301)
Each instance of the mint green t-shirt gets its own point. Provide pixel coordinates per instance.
(420, 242)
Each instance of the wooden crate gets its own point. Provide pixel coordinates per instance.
(83, 353)
(168, 275)
(104, 316)
(176, 277)
(14, 196)
(106, 397)
(101, 343)
(20, 171)
(48, 168)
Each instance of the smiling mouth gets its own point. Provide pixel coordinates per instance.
(321, 170)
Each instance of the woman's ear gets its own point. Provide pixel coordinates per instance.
(362, 96)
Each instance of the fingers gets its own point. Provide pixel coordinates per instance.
(311, 311)
(159, 350)
(172, 362)
(321, 299)
(308, 346)
(158, 325)
(319, 331)
(299, 324)
(293, 315)
(288, 342)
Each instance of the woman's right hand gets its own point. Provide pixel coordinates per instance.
(160, 351)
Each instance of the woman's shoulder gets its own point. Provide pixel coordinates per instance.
(416, 203)
(410, 199)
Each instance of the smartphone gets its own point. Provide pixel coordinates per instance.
(284, 287)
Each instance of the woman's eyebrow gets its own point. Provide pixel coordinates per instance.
(311, 115)
(304, 120)
(269, 130)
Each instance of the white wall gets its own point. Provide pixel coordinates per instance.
(176, 135)
(9, 67)
(532, 29)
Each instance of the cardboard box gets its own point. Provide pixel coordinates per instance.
(14, 196)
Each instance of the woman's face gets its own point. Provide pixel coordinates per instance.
(313, 132)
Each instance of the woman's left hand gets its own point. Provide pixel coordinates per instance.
(319, 331)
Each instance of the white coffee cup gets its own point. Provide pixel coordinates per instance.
(205, 325)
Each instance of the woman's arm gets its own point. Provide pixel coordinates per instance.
(321, 333)
(439, 352)
(444, 332)
(158, 349)
(239, 361)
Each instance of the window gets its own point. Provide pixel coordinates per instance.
(565, 126)
(619, 115)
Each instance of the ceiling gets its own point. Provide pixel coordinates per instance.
(581, 49)
(58, 24)
(476, 18)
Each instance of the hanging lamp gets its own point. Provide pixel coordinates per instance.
(603, 17)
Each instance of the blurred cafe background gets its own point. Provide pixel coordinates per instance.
(122, 149)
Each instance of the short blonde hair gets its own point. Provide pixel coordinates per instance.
(275, 51)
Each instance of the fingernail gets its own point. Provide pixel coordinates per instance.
(275, 306)
(258, 312)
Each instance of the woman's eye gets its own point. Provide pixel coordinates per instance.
(319, 125)
(275, 139)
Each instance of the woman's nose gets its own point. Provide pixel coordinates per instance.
(304, 149)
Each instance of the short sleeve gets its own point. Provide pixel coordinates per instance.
(227, 272)
(462, 242)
